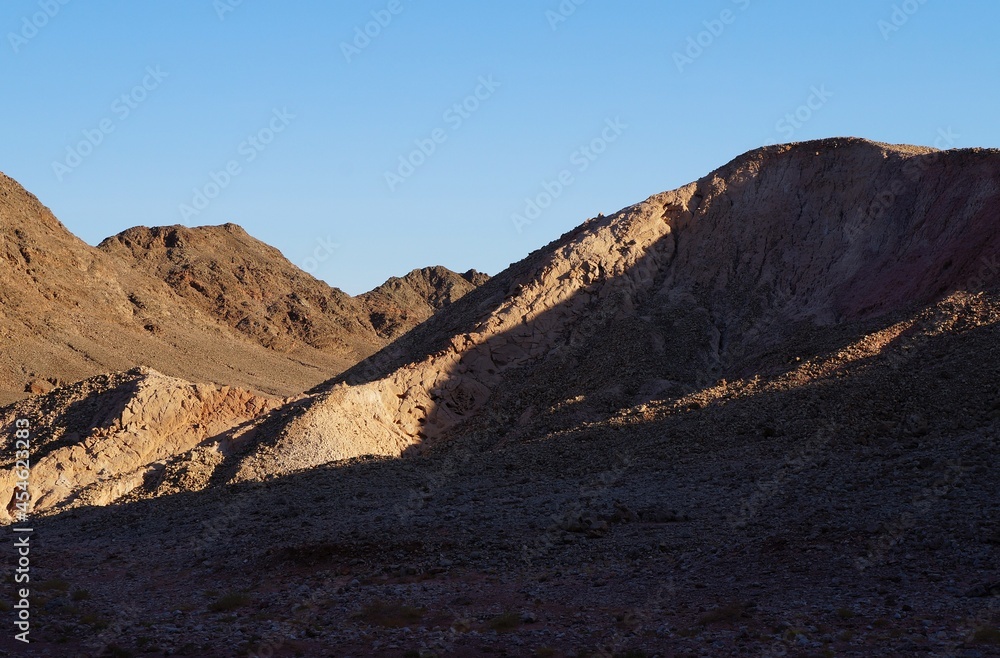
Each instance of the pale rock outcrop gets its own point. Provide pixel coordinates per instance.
(96, 441)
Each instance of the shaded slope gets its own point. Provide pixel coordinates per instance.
(852, 498)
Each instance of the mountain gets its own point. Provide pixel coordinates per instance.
(757, 413)
(70, 311)
(206, 304)
(780, 252)
(776, 252)
(402, 303)
(248, 286)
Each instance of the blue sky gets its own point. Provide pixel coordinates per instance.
(122, 113)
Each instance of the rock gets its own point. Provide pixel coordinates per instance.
(38, 387)
(983, 590)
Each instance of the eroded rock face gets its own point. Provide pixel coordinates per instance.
(96, 441)
(675, 291)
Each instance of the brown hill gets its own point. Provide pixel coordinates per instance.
(249, 286)
(402, 303)
(70, 311)
(206, 304)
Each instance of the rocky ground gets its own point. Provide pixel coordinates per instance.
(844, 505)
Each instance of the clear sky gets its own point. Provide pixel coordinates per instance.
(294, 122)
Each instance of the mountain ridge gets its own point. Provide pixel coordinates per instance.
(71, 311)
(627, 308)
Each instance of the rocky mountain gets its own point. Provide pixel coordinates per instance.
(758, 413)
(248, 286)
(779, 249)
(209, 303)
(402, 303)
(252, 288)
(70, 311)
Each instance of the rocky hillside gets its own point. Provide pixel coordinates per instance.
(773, 251)
(99, 439)
(205, 304)
(251, 287)
(754, 416)
(402, 303)
(69, 311)
(777, 253)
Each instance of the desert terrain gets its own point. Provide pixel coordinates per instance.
(757, 415)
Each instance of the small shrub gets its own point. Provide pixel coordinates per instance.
(79, 595)
(229, 602)
(726, 613)
(144, 641)
(507, 621)
(390, 614)
(56, 584)
(986, 635)
(94, 620)
(115, 651)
